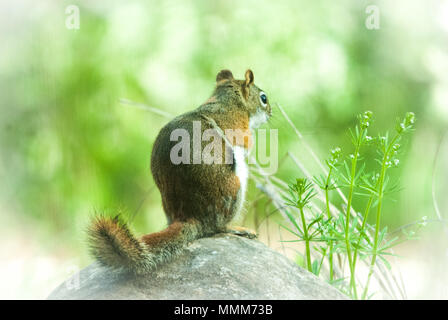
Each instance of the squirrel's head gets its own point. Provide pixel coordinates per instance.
(244, 94)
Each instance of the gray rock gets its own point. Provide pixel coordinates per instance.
(221, 267)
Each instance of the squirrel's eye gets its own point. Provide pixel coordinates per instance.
(263, 99)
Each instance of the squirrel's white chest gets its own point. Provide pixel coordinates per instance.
(241, 168)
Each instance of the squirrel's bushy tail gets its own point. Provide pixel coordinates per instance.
(112, 244)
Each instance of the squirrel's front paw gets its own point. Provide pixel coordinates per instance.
(242, 232)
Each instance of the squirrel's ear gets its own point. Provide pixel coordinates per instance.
(249, 81)
(249, 77)
(224, 75)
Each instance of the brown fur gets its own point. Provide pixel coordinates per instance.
(161, 237)
(198, 199)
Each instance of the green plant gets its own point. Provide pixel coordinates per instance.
(301, 194)
(346, 231)
(327, 184)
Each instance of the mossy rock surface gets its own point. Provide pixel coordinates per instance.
(221, 267)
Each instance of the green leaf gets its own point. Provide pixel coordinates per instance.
(315, 267)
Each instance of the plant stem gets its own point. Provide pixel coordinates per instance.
(307, 241)
(364, 222)
(378, 211)
(347, 215)
(320, 265)
(327, 201)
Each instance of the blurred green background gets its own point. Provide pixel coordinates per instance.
(69, 148)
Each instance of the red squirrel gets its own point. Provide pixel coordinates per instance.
(199, 199)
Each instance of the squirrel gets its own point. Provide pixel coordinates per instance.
(199, 199)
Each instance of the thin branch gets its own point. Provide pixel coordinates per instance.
(145, 107)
